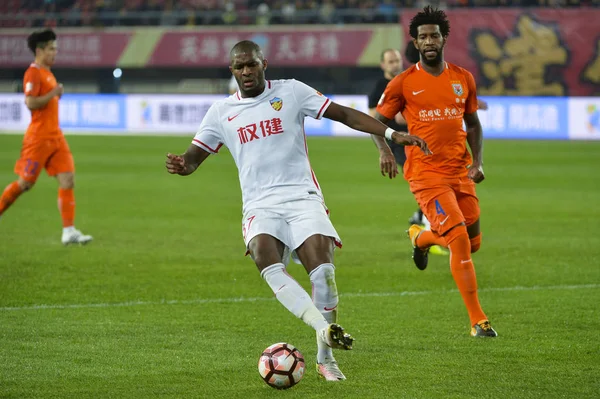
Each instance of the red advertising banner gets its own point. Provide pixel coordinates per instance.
(547, 52)
(208, 48)
(85, 49)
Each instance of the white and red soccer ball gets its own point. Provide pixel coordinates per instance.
(281, 365)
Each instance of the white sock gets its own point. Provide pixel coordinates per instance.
(293, 296)
(324, 291)
(325, 298)
(69, 229)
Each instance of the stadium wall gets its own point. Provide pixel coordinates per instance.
(531, 118)
(511, 51)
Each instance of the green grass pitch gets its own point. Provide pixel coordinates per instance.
(164, 304)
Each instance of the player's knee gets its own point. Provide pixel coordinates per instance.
(262, 257)
(475, 243)
(456, 233)
(66, 181)
(25, 185)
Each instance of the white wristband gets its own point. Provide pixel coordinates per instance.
(388, 133)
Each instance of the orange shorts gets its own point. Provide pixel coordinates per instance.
(447, 202)
(52, 154)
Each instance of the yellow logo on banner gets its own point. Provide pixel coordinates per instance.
(519, 65)
(592, 71)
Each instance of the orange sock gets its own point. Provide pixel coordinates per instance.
(428, 238)
(463, 272)
(66, 206)
(10, 194)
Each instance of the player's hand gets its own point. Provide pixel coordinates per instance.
(482, 105)
(476, 173)
(407, 139)
(387, 163)
(176, 164)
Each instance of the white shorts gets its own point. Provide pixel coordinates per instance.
(291, 223)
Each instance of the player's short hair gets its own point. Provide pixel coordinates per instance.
(246, 46)
(412, 53)
(384, 52)
(430, 16)
(40, 39)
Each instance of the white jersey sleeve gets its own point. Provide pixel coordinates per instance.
(311, 101)
(209, 136)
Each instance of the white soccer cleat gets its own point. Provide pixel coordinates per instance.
(330, 371)
(334, 336)
(74, 236)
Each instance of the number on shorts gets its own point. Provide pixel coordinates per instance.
(438, 208)
(31, 167)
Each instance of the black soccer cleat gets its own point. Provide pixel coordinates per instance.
(420, 255)
(483, 329)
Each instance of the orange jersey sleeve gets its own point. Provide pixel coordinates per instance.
(38, 82)
(434, 107)
(32, 82)
(392, 100)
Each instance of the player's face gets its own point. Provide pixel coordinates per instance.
(430, 43)
(392, 63)
(249, 72)
(48, 53)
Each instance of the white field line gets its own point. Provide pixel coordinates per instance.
(200, 301)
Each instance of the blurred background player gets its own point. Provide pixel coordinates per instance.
(262, 125)
(391, 65)
(393, 154)
(233, 86)
(436, 97)
(44, 146)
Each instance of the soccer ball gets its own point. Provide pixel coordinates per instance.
(281, 365)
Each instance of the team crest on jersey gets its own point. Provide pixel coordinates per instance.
(276, 103)
(458, 89)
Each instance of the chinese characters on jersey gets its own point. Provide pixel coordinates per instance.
(263, 129)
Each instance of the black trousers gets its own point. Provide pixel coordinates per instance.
(399, 154)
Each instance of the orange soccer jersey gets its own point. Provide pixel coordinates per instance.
(44, 146)
(433, 107)
(37, 82)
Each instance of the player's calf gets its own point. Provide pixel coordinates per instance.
(10, 195)
(324, 291)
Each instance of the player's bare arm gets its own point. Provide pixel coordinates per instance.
(362, 122)
(387, 162)
(475, 140)
(187, 163)
(37, 102)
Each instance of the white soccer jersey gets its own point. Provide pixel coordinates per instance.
(265, 135)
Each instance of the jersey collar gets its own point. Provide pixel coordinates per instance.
(418, 65)
(268, 86)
